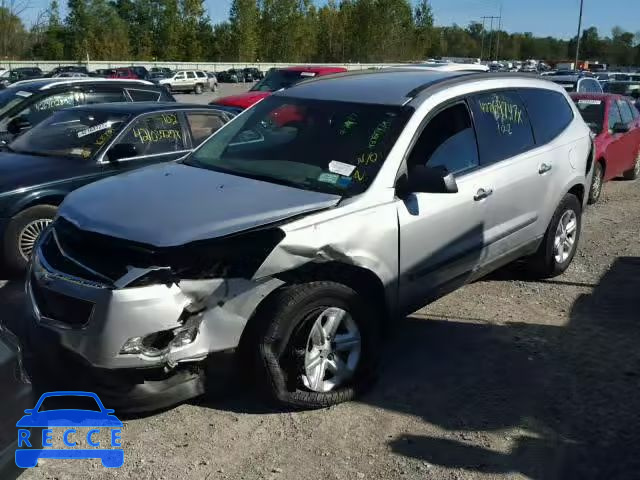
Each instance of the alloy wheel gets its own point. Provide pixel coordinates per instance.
(29, 235)
(565, 238)
(332, 351)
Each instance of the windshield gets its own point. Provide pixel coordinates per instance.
(277, 79)
(325, 146)
(592, 112)
(71, 133)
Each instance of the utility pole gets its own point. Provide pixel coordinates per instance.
(491, 18)
(499, 27)
(578, 39)
(482, 42)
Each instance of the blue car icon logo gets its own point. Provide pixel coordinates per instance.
(66, 420)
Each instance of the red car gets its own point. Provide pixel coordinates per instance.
(276, 79)
(139, 73)
(616, 122)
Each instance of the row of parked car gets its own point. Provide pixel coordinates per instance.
(289, 232)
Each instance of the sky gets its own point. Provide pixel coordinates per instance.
(558, 18)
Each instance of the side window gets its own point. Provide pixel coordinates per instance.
(448, 140)
(104, 96)
(191, 75)
(201, 75)
(634, 111)
(180, 76)
(155, 134)
(502, 125)
(43, 108)
(203, 125)
(625, 112)
(143, 95)
(614, 115)
(539, 105)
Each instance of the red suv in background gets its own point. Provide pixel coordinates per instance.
(140, 73)
(616, 122)
(276, 79)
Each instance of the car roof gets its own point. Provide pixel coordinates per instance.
(316, 69)
(596, 96)
(137, 108)
(47, 83)
(386, 87)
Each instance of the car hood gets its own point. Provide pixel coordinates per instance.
(20, 170)
(174, 204)
(244, 100)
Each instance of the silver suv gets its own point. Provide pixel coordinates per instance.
(195, 81)
(305, 224)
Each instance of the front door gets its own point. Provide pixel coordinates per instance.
(442, 235)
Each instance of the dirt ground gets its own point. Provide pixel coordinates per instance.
(503, 379)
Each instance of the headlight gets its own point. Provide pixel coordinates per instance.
(160, 343)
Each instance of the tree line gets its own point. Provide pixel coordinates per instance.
(281, 31)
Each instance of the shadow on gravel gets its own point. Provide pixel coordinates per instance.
(572, 392)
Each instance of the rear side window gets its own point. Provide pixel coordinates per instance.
(502, 126)
(144, 95)
(104, 96)
(201, 74)
(548, 112)
(155, 134)
(614, 115)
(625, 112)
(191, 75)
(203, 125)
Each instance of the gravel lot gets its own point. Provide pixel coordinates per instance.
(505, 378)
(224, 89)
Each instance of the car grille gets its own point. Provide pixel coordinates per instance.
(61, 308)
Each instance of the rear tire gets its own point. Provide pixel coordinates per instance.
(553, 256)
(597, 183)
(22, 232)
(634, 173)
(198, 89)
(283, 345)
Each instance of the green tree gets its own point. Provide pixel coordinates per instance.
(243, 18)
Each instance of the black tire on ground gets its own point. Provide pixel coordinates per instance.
(274, 346)
(634, 172)
(597, 183)
(198, 89)
(543, 263)
(12, 256)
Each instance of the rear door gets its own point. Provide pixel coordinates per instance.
(191, 80)
(517, 175)
(179, 81)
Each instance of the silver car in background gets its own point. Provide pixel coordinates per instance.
(297, 231)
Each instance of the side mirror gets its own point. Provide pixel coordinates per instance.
(430, 180)
(122, 150)
(620, 128)
(18, 125)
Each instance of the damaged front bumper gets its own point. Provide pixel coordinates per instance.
(168, 326)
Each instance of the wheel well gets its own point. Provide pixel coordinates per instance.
(602, 162)
(578, 191)
(363, 281)
(54, 200)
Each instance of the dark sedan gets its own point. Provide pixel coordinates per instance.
(26, 104)
(80, 145)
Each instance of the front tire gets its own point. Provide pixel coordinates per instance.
(313, 345)
(560, 241)
(198, 89)
(596, 183)
(634, 173)
(22, 232)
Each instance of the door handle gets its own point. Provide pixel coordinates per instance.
(482, 194)
(544, 168)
